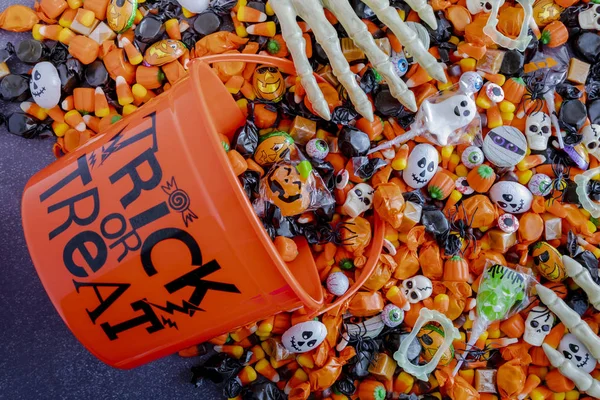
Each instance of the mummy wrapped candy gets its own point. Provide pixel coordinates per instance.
(576, 352)
(417, 288)
(540, 184)
(358, 200)
(512, 197)
(538, 130)
(392, 315)
(538, 324)
(45, 85)
(504, 146)
(591, 138)
(472, 157)
(421, 165)
(337, 283)
(443, 118)
(195, 6)
(312, 12)
(304, 336)
(590, 18)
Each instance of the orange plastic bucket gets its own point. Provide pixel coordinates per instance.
(144, 238)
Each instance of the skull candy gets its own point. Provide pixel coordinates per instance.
(417, 288)
(590, 18)
(304, 336)
(577, 353)
(538, 130)
(537, 326)
(359, 200)
(591, 139)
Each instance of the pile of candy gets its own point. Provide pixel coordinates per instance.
(471, 129)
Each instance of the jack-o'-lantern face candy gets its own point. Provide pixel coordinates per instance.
(268, 83)
(164, 51)
(548, 262)
(287, 189)
(274, 147)
(120, 14)
(431, 339)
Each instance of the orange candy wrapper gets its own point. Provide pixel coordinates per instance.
(18, 18)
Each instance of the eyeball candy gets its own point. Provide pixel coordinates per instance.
(337, 283)
(421, 165)
(504, 146)
(463, 187)
(470, 82)
(304, 336)
(540, 185)
(508, 223)
(45, 85)
(399, 63)
(494, 92)
(472, 157)
(512, 197)
(341, 179)
(317, 149)
(392, 315)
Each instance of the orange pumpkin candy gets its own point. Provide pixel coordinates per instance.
(286, 189)
(164, 51)
(510, 20)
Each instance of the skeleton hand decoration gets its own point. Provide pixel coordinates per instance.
(583, 278)
(311, 11)
(582, 380)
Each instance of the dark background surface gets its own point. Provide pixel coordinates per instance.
(39, 357)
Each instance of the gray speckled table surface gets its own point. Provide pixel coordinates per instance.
(39, 357)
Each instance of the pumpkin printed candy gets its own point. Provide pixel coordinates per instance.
(268, 83)
(548, 262)
(120, 14)
(164, 52)
(274, 147)
(285, 187)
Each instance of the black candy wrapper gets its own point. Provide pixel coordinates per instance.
(245, 139)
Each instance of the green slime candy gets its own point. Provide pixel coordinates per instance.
(500, 289)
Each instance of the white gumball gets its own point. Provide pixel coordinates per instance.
(304, 336)
(195, 6)
(421, 165)
(45, 85)
(512, 197)
(337, 283)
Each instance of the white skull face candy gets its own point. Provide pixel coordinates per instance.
(591, 139)
(358, 200)
(537, 325)
(538, 130)
(512, 197)
(45, 85)
(421, 165)
(477, 6)
(504, 146)
(304, 336)
(590, 18)
(577, 353)
(417, 288)
(443, 118)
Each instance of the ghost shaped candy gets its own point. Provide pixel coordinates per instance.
(591, 139)
(504, 146)
(538, 130)
(512, 197)
(421, 165)
(45, 85)
(538, 325)
(443, 118)
(304, 336)
(577, 353)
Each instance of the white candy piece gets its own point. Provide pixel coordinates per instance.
(358, 200)
(417, 288)
(591, 138)
(337, 283)
(538, 129)
(538, 325)
(421, 165)
(582, 181)
(512, 197)
(583, 279)
(477, 6)
(304, 336)
(443, 118)
(505, 146)
(590, 18)
(491, 27)
(45, 85)
(195, 6)
(583, 381)
(577, 353)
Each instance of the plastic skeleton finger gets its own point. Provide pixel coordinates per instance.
(361, 36)
(549, 99)
(292, 34)
(450, 334)
(571, 319)
(311, 11)
(582, 181)
(389, 16)
(424, 11)
(582, 277)
(582, 380)
(491, 29)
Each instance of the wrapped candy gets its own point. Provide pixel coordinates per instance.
(389, 203)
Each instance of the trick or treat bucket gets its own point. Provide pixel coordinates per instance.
(145, 240)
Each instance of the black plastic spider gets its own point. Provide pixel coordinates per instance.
(474, 354)
(461, 232)
(536, 87)
(560, 183)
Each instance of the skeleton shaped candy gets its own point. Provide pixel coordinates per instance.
(304, 336)
(576, 351)
(417, 288)
(45, 85)
(590, 18)
(538, 130)
(312, 12)
(477, 6)
(421, 165)
(358, 200)
(591, 139)
(538, 324)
